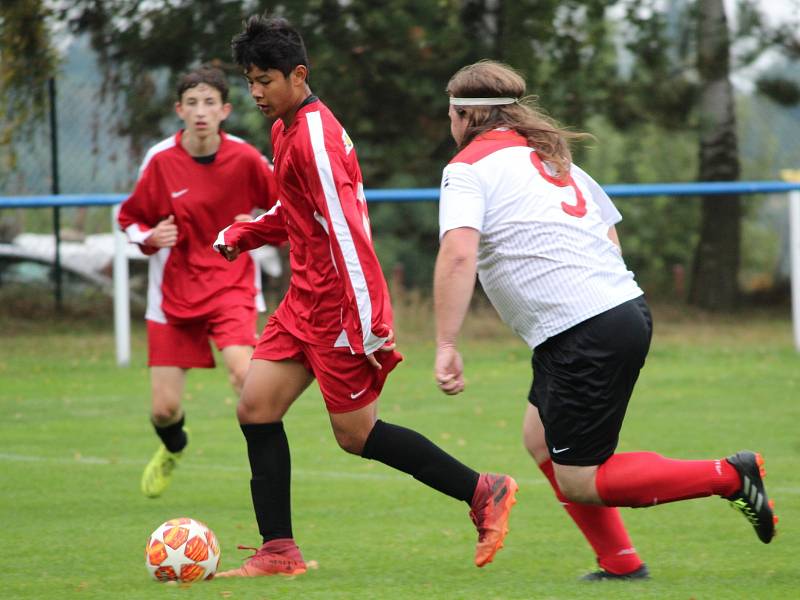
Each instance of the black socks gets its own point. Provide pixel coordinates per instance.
(173, 436)
(413, 453)
(270, 464)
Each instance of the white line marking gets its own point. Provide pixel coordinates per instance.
(187, 464)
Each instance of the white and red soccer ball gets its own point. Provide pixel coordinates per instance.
(182, 550)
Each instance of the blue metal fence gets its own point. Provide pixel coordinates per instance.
(621, 190)
(431, 194)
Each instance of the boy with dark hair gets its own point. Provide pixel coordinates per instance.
(335, 323)
(190, 185)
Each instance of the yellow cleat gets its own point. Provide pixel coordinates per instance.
(158, 472)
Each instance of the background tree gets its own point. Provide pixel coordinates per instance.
(627, 71)
(27, 61)
(682, 56)
(717, 255)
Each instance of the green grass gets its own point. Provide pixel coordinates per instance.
(74, 436)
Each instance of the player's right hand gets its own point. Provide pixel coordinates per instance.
(449, 370)
(164, 235)
(388, 346)
(230, 253)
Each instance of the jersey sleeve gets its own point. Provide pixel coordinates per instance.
(264, 184)
(608, 212)
(367, 312)
(143, 209)
(268, 228)
(462, 202)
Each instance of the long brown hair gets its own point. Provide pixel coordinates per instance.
(491, 79)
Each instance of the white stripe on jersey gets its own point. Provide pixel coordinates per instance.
(261, 306)
(342, 233)
(157, 261)
(159, 147)
(155, 275)
(136, 235)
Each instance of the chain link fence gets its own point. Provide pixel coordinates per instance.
(74, 148)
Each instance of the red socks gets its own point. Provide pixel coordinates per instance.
(645, 479)
(602, 527)
(639, 479)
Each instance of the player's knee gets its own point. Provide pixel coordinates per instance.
(569, 488)
(350, 442)
(576, 489)
(165, 414)
(246, 411)
(536, 446)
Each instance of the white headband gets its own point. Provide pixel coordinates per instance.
(481, 101)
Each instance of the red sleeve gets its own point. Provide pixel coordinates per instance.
(263, 183)
(269, 228)
(367, 315)
(142, 210)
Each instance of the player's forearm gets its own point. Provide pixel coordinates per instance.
(248, 235)
(250, 238)
(453, 284)
(139, 234)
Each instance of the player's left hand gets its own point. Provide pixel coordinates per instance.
(229, 252)
(449, 370)
(242, 217)
(388, 346)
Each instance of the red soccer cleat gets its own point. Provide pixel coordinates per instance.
(275, 557)
(491, 506)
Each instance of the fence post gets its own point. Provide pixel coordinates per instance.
(122, 305)
(55, 188)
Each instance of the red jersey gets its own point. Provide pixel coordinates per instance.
(337, 293)
(190, 280)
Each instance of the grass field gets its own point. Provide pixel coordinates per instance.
(74, 436)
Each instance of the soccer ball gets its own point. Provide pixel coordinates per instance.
(183, 550)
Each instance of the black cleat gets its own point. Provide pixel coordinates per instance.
(641, 573)
(751, 500)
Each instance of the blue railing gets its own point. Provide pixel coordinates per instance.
(122, 313)
(620, 190)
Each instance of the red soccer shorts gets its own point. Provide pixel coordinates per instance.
(185, 344)
(347, 381)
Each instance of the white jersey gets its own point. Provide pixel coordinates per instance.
(544, 259)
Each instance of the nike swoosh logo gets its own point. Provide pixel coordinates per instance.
(357, 394)
(559, 450)
(179, 193)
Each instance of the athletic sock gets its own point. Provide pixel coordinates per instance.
(270, 485)
(645, 478)
(173, 436)
(413, 453)
(602, 527)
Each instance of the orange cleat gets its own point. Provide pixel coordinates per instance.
(275, 557)
(491, 507)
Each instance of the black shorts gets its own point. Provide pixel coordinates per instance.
(583, 378)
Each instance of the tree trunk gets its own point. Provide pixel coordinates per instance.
(717, 255)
